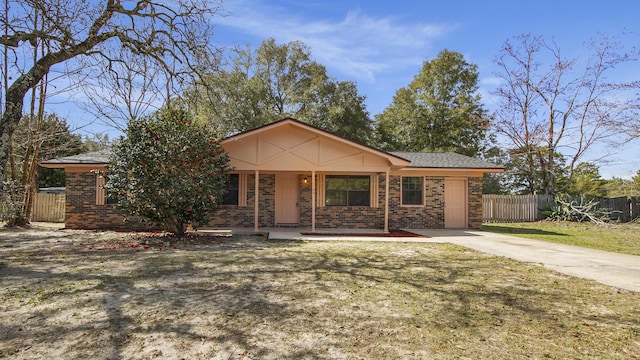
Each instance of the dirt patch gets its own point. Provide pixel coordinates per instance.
(75, 294)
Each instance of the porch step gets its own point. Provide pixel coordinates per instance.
(287, 225)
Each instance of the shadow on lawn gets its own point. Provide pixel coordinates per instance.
(243, 293)
(145, 294)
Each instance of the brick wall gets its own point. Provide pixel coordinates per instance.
(83, 213)
(233, 216)
(349, 217)
(474, 197)
(305, 203)
(429, 216)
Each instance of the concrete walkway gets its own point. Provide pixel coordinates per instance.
(619, 270)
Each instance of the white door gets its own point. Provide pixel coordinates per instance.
(455, 204)
(287, 199)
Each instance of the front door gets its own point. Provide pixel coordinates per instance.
(455, 204)
(287, 199)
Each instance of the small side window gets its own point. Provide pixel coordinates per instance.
(230, 196)
(412, 190)
(104, 197)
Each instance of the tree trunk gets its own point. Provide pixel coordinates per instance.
(7, 128)
(175, 226)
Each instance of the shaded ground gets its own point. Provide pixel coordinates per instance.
(70, 294)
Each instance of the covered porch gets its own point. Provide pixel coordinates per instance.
(294, 175)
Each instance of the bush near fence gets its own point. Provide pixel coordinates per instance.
(526, 208)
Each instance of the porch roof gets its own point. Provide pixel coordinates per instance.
(100, 157)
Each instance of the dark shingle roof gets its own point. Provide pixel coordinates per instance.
(96, 157)
(444, 160)
(418, 160)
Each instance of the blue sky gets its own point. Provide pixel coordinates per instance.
(380, 45)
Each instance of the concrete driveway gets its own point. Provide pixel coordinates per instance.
(619, 270)
(609, 268)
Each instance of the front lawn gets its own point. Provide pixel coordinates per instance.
(70, 294)
(620, 238)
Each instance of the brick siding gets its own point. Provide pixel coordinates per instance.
(429, 216)
(349, 217)
(83, 213)
(233, 216)
(475, 203)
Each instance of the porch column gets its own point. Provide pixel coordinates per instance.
(256, 209)
(313, 200)
(386, 202)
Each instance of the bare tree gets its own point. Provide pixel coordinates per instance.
(25, 150)
(167, 33)
(551, 104)
(38, 137)
(125, 91)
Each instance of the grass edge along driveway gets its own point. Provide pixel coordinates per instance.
(620, 238)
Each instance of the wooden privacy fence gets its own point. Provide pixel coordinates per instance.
(523, 208)
(622, 209)
(514, 208)
(48, 207)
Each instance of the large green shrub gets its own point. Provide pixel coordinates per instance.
(168, 170)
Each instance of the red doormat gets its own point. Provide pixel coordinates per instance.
(392, 233)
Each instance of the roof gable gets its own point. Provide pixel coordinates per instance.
(290, 145)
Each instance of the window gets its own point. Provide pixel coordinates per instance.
(104, 197)
(412, 190)
(347, 190)
(230, 196)
(111, 198)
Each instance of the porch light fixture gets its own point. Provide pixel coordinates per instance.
(305, 180)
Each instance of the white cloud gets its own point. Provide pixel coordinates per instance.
(359, 46)
(487, 86)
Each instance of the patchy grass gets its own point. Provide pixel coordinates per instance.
(620, 238)
(103, 295)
